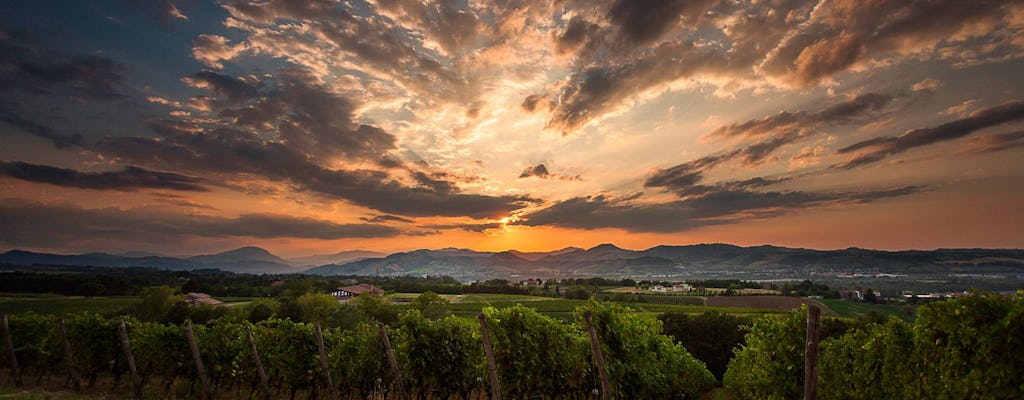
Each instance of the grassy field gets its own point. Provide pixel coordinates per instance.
(563, 309)
(849, 308)
(14, 303)
(60, 305)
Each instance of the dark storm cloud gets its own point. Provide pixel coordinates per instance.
(59, 140)
(776, 130)
(541, 171)
(377, 219)
(877, 149)
(229, 88)
(595, 91)
(643, 22)
(794, 42)
(718, 206)
(229, 153)
(685, 179)
(30, 223)
(840, 34)
(577, 32)
(538, 170)
(26, 66)
(836, 114)
(298, 109)
(375, 42)
(128, 179)
(534, 101)
(464, 227)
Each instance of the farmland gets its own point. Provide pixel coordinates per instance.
(849, 308)
(763, 302)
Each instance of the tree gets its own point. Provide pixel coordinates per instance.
(432, 306)
(316, 308)
(157, 303)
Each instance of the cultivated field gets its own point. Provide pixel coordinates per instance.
(764, 302)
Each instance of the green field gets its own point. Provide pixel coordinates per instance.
(60, 305)
(14, 303)
(848, 308)
(563, 309)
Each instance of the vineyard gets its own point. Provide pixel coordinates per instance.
(534, 355)
(966, 348)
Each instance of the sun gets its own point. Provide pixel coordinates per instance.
(511, 219)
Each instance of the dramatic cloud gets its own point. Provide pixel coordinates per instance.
(783, 122)
(877, 149)
(230, 89)
(129, 178)
(29, 67)
(59, 139)
(716, 207)
(30, 223)
(841, 35)
(377, 219)
(410, 113)
(222, 152)
(997, 142)
(773, 132)
(538, 170)
(595, 91)
(212, 50)
(465, 227)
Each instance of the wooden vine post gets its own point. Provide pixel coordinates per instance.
(69, 355)
(595, 351)
(323, 363)
(264, 385)
(194, 346)
(127, 346)
(492, 369)
(15, 371)
(811, 354)
(393, 361)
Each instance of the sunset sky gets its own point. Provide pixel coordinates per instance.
(316, 126)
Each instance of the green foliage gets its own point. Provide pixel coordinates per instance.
(259, 310)
(370, 309)
(874, 363)
(360, 362)
(641, 362)
(966, 348)
(770, 364)
(970, 347)
(157, 303)
(711, 336)
(316, 308)
(536, 355)
(432, 306)
(442, 357)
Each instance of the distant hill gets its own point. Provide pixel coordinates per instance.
(245, 259)
(249, 253)
(702, 260)
(606, 260)
(540, 255)
(336, 258)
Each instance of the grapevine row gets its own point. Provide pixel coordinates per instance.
(535, 356)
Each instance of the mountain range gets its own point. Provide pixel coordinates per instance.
(702, 260)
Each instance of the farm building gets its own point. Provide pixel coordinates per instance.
(679, 287)
(199, 299)
(348, 292)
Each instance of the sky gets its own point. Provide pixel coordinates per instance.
(317, 126)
